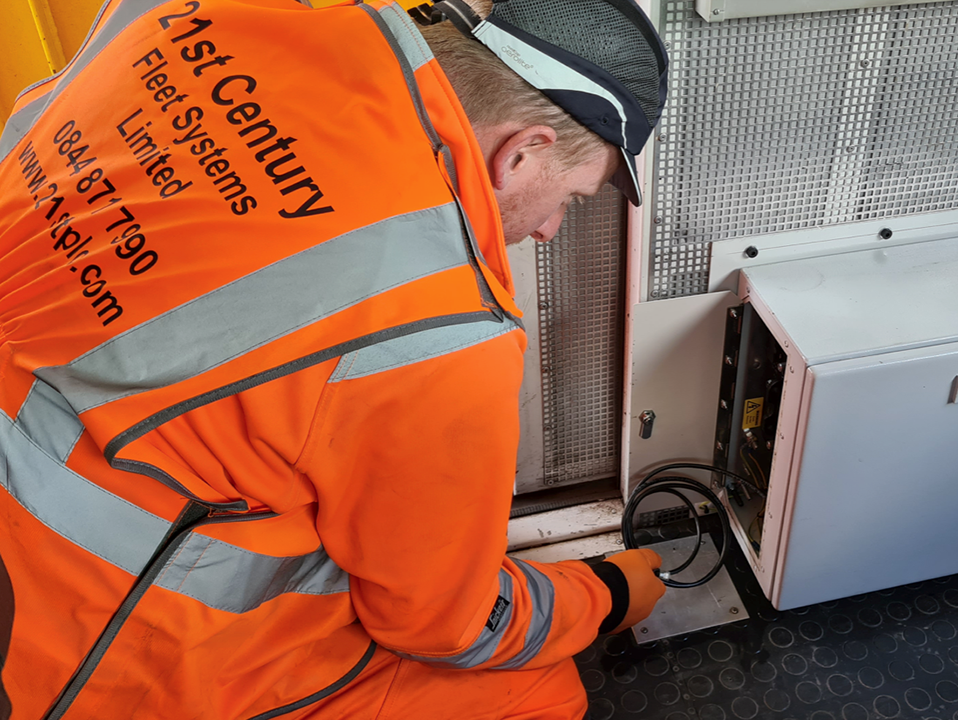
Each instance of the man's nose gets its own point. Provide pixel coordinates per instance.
(547, 230)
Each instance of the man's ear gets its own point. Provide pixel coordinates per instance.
(521, 154)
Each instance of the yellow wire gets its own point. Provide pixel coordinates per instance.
(759, 479)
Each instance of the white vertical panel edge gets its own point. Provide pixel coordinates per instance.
(530, 473)
(636, 270)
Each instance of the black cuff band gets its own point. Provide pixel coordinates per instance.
(612, 576)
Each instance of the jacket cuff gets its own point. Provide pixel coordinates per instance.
(614, 578)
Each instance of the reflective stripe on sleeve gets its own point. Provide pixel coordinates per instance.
(216, 573)
(235, 580)
(416, 347)
(542, 598)
(193, 338)
(485, 645)
(48, 419)
(72, 506)
(542, 601)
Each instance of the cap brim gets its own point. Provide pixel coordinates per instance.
(626, 178)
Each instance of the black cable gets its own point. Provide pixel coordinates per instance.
(671, 485)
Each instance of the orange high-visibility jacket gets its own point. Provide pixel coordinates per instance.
(259, 367)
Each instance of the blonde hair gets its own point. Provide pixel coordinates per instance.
(491, 93)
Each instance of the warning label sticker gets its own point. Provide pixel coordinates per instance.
(753, 413)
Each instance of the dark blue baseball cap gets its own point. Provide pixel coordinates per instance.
(599, 60)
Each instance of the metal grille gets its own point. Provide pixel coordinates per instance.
(581, 276)
(799, 121)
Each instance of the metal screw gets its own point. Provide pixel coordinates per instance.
(661, 138)
(728, 360)
(865, 63)
(733, 312)
(885, 233)
(644, 630)
(733, 610)
(716, 11)
(550, 482)
(657, 220)
(543, 305)
(751, 251)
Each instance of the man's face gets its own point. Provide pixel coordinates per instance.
(536, 206)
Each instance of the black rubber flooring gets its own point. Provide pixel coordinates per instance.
(887, 654)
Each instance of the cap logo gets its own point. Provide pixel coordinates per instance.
(516, 56)
(544, 72)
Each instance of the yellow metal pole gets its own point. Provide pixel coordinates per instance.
(47, 32)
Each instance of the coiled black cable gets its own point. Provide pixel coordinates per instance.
(672, 485)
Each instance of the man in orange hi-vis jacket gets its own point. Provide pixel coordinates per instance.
(260, 358)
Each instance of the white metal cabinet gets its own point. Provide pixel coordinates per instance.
(863, 480)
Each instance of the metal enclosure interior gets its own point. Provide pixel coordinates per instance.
(855, 359)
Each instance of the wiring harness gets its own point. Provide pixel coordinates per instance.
(655, 482)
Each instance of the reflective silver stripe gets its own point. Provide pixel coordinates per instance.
(21, 121)
(487, 642)
(235, 580)
(102, 523)
(417, 347)
(263, 306)
(48, 419)
(542, 599)
(399, 46)
(410, 40)
(216, 573)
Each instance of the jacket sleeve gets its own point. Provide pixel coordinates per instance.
(414, 464)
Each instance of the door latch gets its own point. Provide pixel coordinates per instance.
(645, 421)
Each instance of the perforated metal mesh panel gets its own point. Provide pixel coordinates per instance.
(581, 316)
(789, 122)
